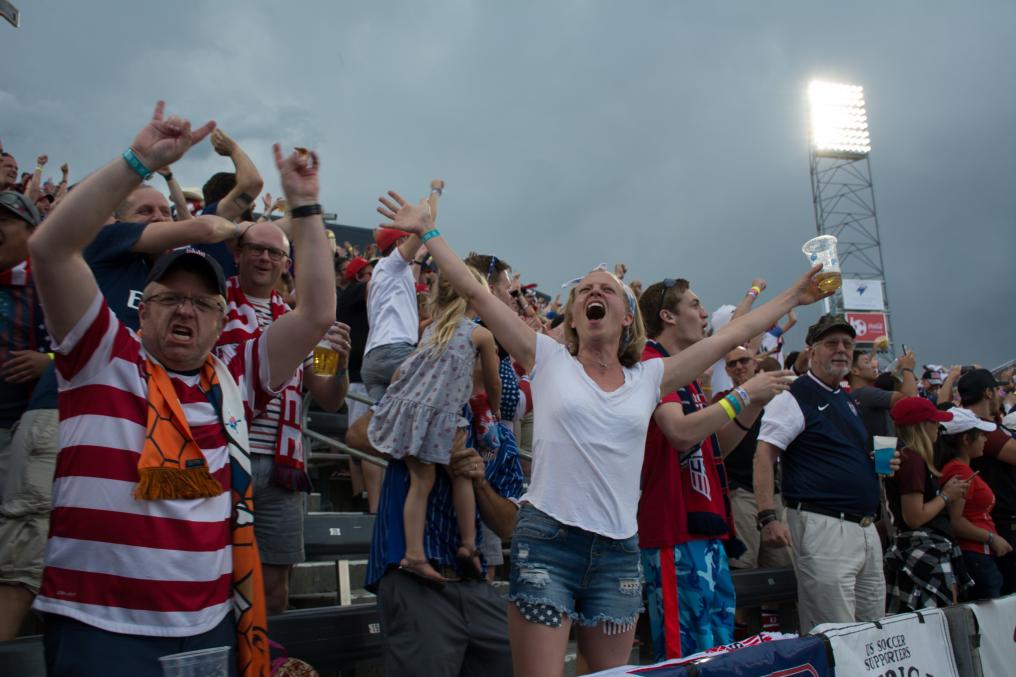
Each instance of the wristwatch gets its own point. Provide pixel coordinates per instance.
(764, 517)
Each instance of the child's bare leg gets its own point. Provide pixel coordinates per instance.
(414, 518)
(464, 500)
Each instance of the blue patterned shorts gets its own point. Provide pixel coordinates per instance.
(690, 596)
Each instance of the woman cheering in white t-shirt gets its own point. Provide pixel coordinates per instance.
(575, 553)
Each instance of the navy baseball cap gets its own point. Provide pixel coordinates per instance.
(192, 260)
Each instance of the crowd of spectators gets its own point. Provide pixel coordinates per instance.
(154, 358)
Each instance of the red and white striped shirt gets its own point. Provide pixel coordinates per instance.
(157, 568)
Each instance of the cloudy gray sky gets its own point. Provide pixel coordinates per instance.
(668, 135)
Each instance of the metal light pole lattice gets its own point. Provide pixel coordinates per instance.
(841, 185)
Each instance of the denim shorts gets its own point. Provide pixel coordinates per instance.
(560, 570)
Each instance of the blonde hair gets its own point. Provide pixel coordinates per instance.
(914, 437)
(633, 339)
(446, 309)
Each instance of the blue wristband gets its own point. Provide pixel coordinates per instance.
(139, 168)
(735, 403)
(432, 233)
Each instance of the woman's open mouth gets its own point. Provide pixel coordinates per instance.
(596, 310)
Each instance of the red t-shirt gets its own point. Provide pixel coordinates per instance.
(977, 505)
(676, 502)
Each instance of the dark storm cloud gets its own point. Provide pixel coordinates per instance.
(668, 135)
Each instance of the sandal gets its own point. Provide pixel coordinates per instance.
(470, 565)
(418, 569)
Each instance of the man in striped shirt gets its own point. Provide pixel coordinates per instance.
(262, 255)
(128, 580)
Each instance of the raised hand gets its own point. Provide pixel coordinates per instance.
(222, 143)
(163, 142)
(266, 199)
(806, 289)
(41, 160)
(299, 175)
(760, 283)
(766, 385)
(619, 270)
(404, 216)
(65, 170)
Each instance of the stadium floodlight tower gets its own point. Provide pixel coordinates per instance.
(841, 185)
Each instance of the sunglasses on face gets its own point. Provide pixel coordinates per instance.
(740, 362)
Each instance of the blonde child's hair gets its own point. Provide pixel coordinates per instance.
(915, 437)
(447, 308)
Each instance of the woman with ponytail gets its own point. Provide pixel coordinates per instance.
(923, 566)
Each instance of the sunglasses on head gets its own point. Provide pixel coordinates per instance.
(667, 284)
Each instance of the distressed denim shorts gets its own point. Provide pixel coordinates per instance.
(560, 570)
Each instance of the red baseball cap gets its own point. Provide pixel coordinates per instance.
(355, 266)
(914, 410)
(386, 237)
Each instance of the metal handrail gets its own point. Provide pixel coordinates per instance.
(527, 454)
(345, 449)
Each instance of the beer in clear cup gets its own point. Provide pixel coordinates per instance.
(822, 249)
(326, 360)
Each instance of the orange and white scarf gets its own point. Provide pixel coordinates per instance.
(172, 466)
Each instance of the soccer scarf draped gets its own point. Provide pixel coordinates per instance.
(17, 276)
(172, 466)
(288, 471)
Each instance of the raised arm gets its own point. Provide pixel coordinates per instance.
(65, 282)
(511, 332)
(248, 180)
(294, 334)
(163, 235)
(176, 195)
(490, 366)
(34, 188)
(681, 369)
(61, 188)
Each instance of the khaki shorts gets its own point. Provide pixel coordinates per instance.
(29, 458)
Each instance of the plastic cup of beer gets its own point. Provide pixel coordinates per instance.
(822, 249)
(201, 663)
(326, 360)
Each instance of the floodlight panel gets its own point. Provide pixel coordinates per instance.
(839, 121)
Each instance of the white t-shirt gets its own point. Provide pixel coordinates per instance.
(783, 420)
(588, 444)
(391, 304)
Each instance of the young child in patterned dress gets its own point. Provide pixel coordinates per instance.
(421, 412)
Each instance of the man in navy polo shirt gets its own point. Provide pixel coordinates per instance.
(830, 487)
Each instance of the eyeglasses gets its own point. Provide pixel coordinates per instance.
(257, 250)
(203, 304)
(740, 362)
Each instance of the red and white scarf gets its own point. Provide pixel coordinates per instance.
(242, 325)
(19, 275)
